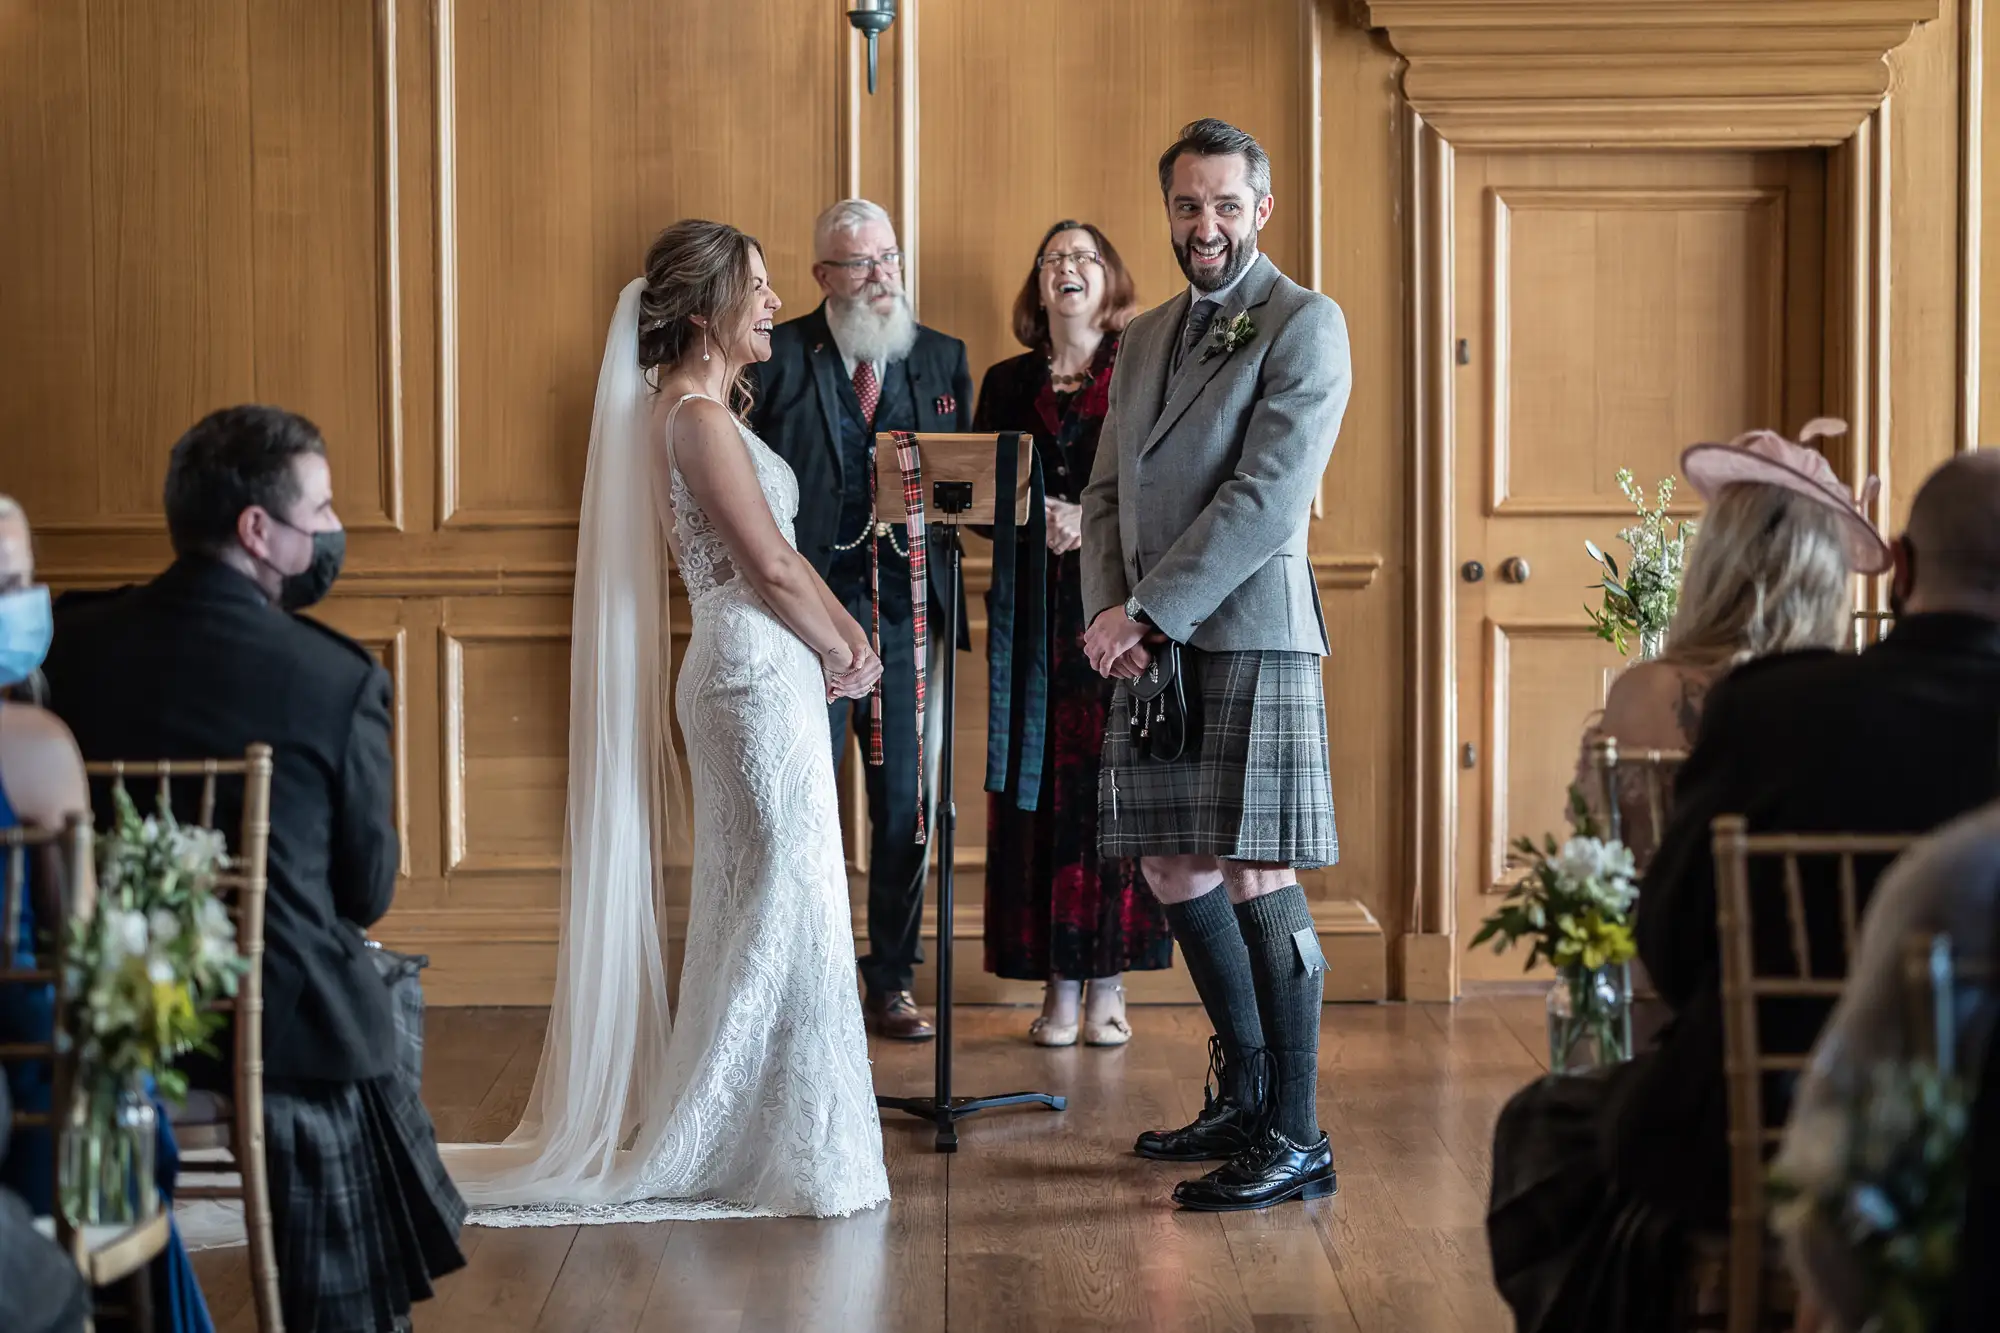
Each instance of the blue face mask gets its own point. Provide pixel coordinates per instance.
(26, 628)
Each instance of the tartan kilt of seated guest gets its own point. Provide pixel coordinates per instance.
(1256, 787)
(363, 1213)
(401, 973)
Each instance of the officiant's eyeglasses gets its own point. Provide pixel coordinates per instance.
(1057, 258)
(889, 261)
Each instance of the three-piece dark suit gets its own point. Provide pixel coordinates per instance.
(807, 410)
(199, 664)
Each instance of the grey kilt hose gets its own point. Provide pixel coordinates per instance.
(1257, 786)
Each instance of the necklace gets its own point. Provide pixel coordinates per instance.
(1062, 381)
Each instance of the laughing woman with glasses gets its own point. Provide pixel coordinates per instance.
(1055, 912)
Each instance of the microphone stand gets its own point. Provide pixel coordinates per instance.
(942, 1109)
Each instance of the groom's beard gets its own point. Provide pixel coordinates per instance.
(868, 335)
(1241, 254)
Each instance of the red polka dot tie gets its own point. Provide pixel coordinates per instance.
(867, 389)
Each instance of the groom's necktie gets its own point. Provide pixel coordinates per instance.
(867, 389)
(1199, 319)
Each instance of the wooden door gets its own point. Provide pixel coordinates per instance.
(1612, 308)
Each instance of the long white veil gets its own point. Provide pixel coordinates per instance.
(578, 1143)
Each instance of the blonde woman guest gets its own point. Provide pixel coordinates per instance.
(1771, 571)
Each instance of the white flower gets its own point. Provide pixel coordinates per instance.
(124, 935)
(212, 920)
(198, 849)
(159, 969)
(1600, 873)
(166, 927)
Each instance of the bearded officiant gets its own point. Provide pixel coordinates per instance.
(857, 365)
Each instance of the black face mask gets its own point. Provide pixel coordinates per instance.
(311, 584)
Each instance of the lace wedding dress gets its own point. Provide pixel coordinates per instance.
(756, 1099)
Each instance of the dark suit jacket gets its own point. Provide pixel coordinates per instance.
(197, 664)
(796, 412)
(1897, 740)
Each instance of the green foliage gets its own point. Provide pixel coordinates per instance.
(1574, 904)
(1883, 1177)
(146, 965)
(1642, 601)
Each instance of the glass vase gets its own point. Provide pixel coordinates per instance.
(1590, 1019)
(1652, 642)
(106, 1167)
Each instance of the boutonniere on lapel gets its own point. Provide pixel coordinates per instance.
(1226, 338)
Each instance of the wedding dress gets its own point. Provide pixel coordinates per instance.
(758, 1100)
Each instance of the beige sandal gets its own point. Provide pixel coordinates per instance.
(1044, 1033)
(1114, 1031)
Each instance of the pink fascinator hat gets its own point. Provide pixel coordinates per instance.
(1768, 458)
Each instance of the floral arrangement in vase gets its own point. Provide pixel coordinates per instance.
(142, 971)
(1574, 907)
(1880, 1177)
(1640, 603)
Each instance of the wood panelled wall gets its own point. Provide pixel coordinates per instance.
(409, 219)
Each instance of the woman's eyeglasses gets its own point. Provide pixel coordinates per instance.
(1057, 258)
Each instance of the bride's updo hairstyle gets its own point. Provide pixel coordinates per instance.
(695, 268)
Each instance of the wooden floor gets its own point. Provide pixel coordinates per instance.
(1042, 1220)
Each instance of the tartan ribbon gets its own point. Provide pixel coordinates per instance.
(910, 463)
(1017, 629)
(875, 607)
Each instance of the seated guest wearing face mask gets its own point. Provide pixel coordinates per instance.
(41, 786)
(207, 659)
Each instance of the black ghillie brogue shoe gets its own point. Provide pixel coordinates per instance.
(1224, 1128)
(1269, 1172)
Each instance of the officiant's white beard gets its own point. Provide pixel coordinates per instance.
(868, 335)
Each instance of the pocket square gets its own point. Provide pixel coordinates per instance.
(945, 405)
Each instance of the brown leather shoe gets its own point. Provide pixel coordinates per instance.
(894, 1014)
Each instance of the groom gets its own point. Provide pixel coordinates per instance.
(1223, 414)
(858, 365)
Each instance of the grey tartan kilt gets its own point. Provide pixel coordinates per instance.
(363, 1213)
(1256, 788)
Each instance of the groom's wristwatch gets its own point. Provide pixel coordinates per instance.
(1134, 611)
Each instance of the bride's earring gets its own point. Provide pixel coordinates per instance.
(704, 342)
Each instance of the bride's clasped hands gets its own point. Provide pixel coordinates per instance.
(851, 670)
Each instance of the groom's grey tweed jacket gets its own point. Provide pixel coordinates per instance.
(1204, 481)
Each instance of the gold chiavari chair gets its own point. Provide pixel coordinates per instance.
(1635, 790)
(109, 1257)
(1758, 1290)
(235, 1128)
(1871, 627)
(1644, 775)
(1947, 1001)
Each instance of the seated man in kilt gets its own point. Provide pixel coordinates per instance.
(207, 659)
(1223, 413)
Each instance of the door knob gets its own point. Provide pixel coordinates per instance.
(1514, 569)
(1472, 571)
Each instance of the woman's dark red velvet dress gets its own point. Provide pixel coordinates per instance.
(1053, 907)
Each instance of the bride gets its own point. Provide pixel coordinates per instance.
(758, 1101)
